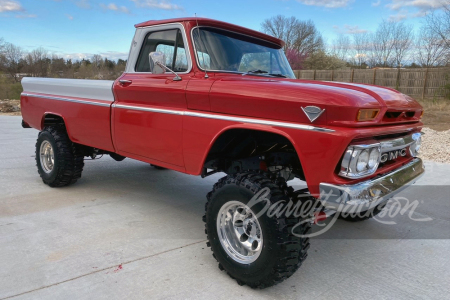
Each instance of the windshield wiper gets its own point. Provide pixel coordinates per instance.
(277, 75)
(257, 72)
(265, 73)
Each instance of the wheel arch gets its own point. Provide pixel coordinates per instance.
(51, 118)
(251, 128)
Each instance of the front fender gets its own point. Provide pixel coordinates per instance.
(318, 152)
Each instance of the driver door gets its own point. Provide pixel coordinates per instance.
(147, 114)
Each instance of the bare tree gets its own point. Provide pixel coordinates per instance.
(282, 28)
(11, 60)
(302, 36)
(341, 47)
(431, 49)
(360, 48)
(383, 44)
(37, 62)
(439, 22)
(321, 61)
(402, 38)
(2, 45)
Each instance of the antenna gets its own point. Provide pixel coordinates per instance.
(200, 37)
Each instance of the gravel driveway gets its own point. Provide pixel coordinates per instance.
(436, 145)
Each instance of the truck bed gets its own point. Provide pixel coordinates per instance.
(77, 88)
(85, 106)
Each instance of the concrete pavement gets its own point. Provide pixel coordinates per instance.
(129, 231)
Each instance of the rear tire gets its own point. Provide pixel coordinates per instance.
(59, 163)
(281, 252)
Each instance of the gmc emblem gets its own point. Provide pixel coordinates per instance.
(392, 155)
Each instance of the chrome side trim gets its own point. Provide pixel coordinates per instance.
(67, 99)
(225, 118)
(189, 113)
(365, 195)
(256, 121)
(157, 110)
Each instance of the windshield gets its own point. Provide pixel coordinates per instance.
(220, 50)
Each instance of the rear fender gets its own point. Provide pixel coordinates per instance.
(58, 115)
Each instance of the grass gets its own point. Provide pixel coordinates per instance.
(8, 89)
(436, 113)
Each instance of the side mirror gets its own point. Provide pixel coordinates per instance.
(157, 66)
(156, 59)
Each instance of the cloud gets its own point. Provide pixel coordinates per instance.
(83, 4)
(69, 17)
(25, 16)
(398, 17)
(112, 55)
(349, 29)
(412, 8)
(163, 4)
(325, 3)
(420, 4)
(375, 4)
(114, 7)
(10, 5)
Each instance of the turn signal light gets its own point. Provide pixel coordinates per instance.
(421, 115)
(367, 114)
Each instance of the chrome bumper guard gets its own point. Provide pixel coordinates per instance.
(368, 194)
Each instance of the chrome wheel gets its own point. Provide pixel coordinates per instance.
(239, 232)
(47, 156)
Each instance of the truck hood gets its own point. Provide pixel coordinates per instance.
(283, 99)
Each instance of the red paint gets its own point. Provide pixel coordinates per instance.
(181, 142)
(119, 267)
(319, 216)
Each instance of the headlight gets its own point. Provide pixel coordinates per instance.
(415, 146)
(360, 160)
(374, 158)
(363, 160)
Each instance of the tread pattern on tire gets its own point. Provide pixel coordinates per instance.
(70, 161)
(292, 250)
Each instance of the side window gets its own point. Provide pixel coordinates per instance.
(170, 42)
(168, 52)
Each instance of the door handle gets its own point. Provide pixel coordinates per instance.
(125, 82)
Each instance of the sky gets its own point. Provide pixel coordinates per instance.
(81, 28)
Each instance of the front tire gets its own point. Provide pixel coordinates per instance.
(58, 161)
(264, 250)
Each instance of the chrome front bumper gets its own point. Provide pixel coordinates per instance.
(368, 194)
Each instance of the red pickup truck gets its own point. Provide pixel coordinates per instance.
(201, 96)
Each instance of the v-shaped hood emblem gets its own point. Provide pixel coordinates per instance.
(312, 112)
